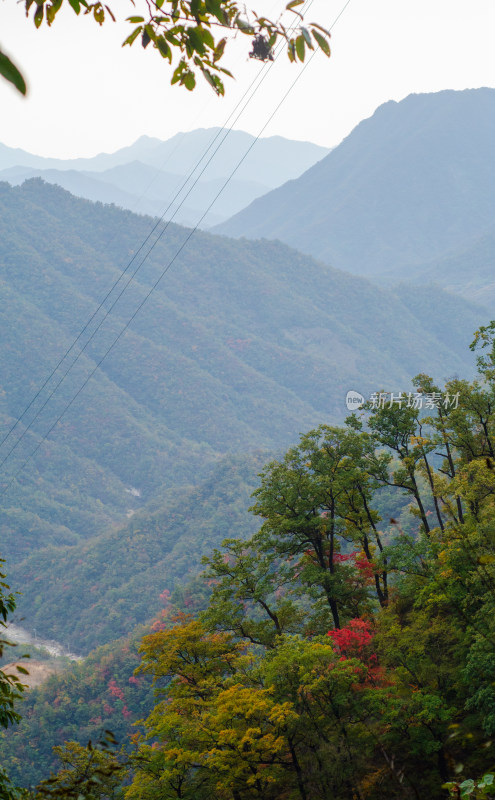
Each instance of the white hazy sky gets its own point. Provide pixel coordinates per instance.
(88, 95)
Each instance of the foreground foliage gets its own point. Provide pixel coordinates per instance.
(345, 649)
(343, 655)
(11, 686)
(183, 32)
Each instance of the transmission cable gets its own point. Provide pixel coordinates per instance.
(172, 261)
(159, 220)
(259, 78)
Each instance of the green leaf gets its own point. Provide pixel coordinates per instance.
(216, 8)
(467, 787)
(133, 36)
(244, 26)
(75, 5)
(38, 16)
(22, 670)
(50, 14)
(196, 39)
(322, 42)
(307, 37)
(135, 20)
(170, 37)
(10, 72)
(219, 49)
(146, 38)
(293, 4)
(208, 38)
(163, 48)
(189, 81)
(209, 77)
(300, 48)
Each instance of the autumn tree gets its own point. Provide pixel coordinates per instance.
(92, 772)
(344, 654)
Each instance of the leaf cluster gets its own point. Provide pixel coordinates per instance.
(184, 32)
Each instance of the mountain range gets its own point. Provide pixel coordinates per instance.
(132, 438)
(180, 177)
(407, 195)
(240, 346)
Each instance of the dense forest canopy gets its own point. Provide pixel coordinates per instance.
(345, 649)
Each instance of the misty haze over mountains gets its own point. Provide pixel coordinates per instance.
(318, 281)
(245, 343)
(146, 176)
(243, 346)
(408, 195)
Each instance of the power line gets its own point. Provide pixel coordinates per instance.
(266, 68)
(172, 261)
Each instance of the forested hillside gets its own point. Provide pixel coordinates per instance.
(338, 652)
(311, 623)
(92, 592)
(79, 704)
(468, 271)
(242, 345)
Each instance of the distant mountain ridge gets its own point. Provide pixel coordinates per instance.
(269, 156)
(409, 185)
(468, 271)
(146, 176)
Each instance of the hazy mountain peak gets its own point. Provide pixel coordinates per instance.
(409, 183)
(149, 175)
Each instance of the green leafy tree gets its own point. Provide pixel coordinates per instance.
(11, 686)
(94, 772)
(377, 644)
(234, 724)
(190, 34)
(320, 521)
